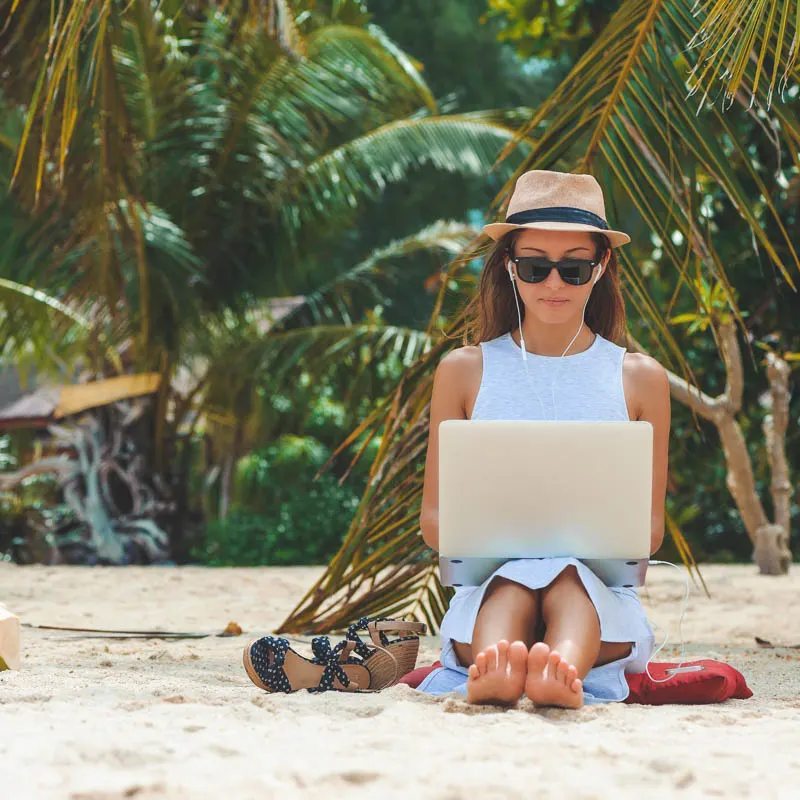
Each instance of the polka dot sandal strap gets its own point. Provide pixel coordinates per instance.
(330, 658)
(377, 627)
(272, 665)
(267, 657)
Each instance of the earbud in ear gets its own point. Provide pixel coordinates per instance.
(510, 273)
(598, 276)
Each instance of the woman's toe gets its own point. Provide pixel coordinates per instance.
(572, 674)
(518, 656)
(480, 663)
(502, 656)
(537, 659)
(553, 660)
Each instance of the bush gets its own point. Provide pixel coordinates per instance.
(281, 515)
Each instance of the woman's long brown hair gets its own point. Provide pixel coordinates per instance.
(495, 312)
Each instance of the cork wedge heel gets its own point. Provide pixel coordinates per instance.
(387, 660)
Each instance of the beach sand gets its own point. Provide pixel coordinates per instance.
(90, 718)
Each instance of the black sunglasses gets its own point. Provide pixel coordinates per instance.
(535, 269)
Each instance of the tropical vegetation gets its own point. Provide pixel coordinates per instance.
(274, 207)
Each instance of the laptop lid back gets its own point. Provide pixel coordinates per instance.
(528, 489)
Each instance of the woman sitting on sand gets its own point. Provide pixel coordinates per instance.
(540, 627)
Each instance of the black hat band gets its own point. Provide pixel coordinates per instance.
(558, 214)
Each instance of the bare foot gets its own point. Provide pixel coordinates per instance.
(498, 674)
(552, 680)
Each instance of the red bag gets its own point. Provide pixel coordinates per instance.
(713, 683)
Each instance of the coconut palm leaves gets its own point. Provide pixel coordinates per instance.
(621, 114)
(269, 345)
(384, 568)
(38, 329)
(376, 279)
(225, 125)
(176, 134)
(736, 35)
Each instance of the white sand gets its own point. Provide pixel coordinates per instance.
(150, 719)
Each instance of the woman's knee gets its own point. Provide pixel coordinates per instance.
(510, 605)
(504, 590)
(566, 584)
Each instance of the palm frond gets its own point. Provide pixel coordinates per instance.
(238, 366)
(152, 66)
(345, 298)
(383, 565)
(38, 329)
(365, 165)
(735, 36)
(349, 74)
(620, 115)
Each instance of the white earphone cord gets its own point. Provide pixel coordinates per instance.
(685, 605)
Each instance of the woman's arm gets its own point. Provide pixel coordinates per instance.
(453, 383)
(647, 393)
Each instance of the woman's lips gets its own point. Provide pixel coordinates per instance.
(553, 301)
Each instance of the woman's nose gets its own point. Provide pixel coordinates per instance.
(553, 280)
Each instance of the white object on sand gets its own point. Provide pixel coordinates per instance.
(9, 640)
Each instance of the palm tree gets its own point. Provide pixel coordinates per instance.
(622, 115)
(189, 162)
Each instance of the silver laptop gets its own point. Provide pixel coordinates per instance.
(530, 489)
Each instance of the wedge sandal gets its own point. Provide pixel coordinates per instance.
(272, 665)
(387, 661)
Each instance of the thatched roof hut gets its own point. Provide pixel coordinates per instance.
(40, 408)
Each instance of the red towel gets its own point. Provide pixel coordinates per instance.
(714, 683)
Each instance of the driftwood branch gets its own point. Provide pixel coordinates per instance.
(699, 402)
(740, 479)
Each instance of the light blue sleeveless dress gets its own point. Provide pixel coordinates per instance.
(585, 386)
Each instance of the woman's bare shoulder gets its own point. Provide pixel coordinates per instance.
(646, 384)
(644, 371)
(459, 375)
(462, 360)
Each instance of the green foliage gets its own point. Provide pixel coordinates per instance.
(549, 29)
(713, 307)
(198, 161)
(178, 169)
(459, 55)
(281, 515)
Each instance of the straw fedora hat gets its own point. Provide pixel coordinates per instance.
(556, 201)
